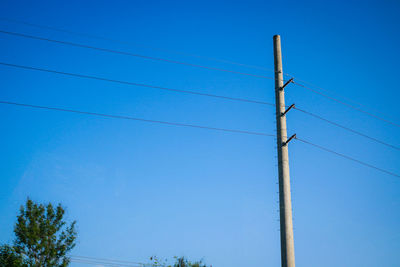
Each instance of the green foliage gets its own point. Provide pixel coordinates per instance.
(9, 257)
(179, 262)
(183, 262)
(156, 261)
(42, 236)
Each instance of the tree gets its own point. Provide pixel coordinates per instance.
(9, 257)
(43, 238)
(183, 262)
(179, 262)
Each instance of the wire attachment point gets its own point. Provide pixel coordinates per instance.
(287, 110)
(289, 81)
(290, 139)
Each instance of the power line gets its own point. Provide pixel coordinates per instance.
(103, 263)
(136, 44)
(346, 99)
(108, 260)
(112, 264)
(202, 94)
(178, 62)
(198, 93)
(131, 54)
(347, 128)
(135, 119)
(134, 84)
(347, 104)
(347, 157)
(183, 91)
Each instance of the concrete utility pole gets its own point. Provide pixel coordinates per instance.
(285, 202)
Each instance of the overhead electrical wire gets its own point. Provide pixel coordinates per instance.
(76, 257)
(306, 83)
(104, 263)
(302, 84)
(201, 94)
(347, 104)
(132, 54)
(347, 157)
(92, 36)
(198, 93)
(40, 26)
(195, 126)
(134, 118)
(77, 75)
(192, 92)
(346, 128)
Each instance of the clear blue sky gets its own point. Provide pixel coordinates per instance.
(139, 189)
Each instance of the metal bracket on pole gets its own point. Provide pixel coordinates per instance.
(289, 81)
(287, 110)
(290, 139)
